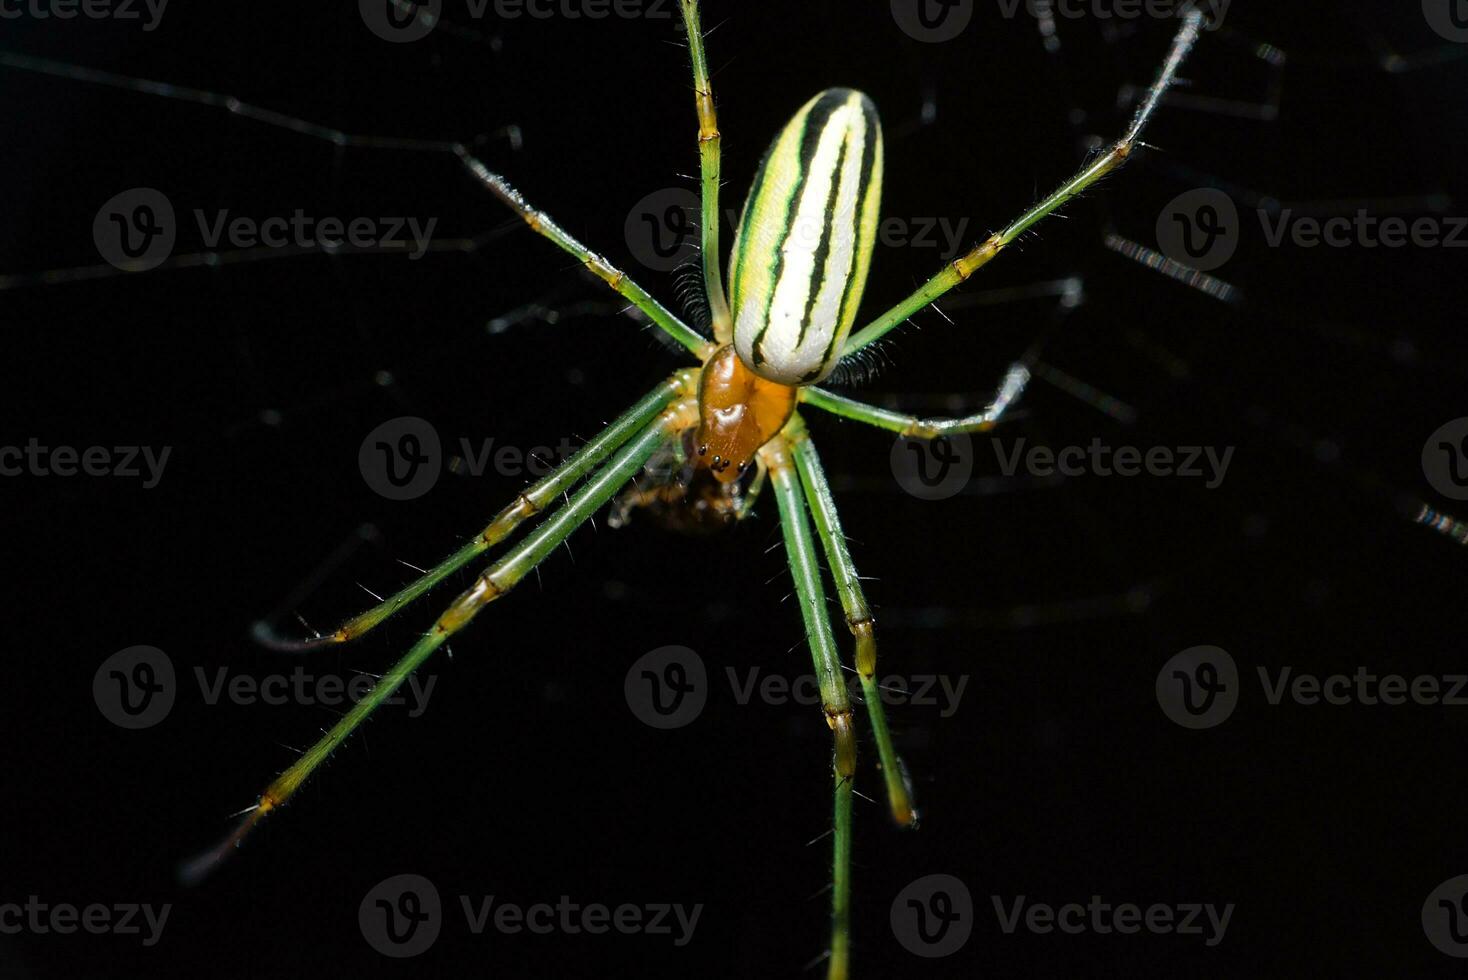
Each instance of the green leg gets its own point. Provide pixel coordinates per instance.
(708, 160)
(839, 966)
(542, 224)
(913, 427)
(530, 502)
(498, 579)
(805, 569)
(858, 615)
(961, 268)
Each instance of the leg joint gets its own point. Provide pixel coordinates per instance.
(845, 761)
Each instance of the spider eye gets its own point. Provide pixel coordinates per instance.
(703, 450)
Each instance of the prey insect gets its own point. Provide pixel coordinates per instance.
(796, 272)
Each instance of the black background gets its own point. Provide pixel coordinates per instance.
(528, 778)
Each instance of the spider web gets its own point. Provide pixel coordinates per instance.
(1057, 599)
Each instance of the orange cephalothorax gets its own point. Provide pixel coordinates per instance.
(738, 412)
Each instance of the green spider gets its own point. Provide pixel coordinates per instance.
(798, 266)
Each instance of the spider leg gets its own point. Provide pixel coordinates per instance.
(495, 581)
(913, 427)
(961, 268)
(746, 503)
(800, 549)
(528, 503)
(542, 224)
(859, 618)
(709, 163)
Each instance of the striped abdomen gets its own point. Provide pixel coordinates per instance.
(805, 241)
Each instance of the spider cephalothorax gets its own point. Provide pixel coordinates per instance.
(738, 413)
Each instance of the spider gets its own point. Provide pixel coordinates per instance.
(733, 422)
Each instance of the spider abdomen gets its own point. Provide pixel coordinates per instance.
(804, 243)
